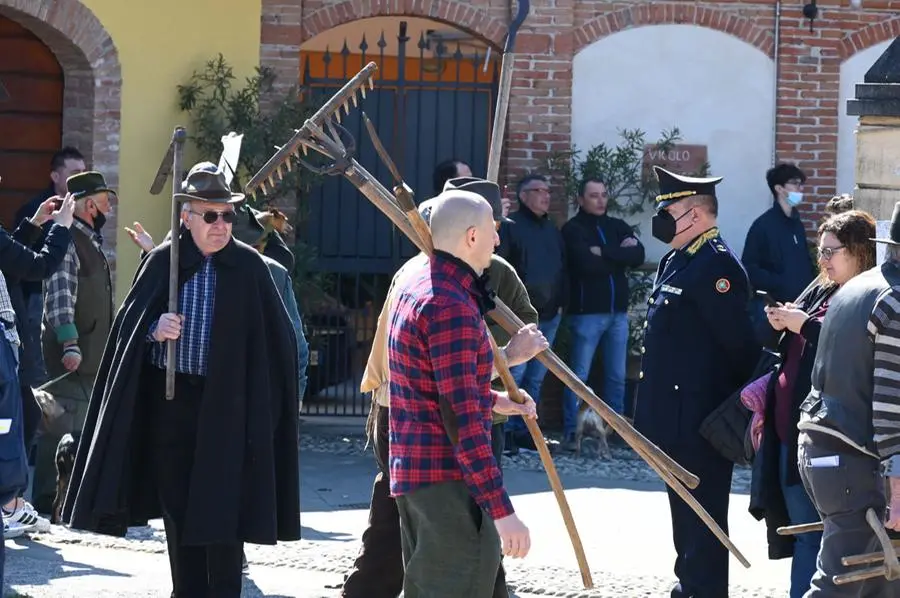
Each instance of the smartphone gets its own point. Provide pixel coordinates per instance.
(767, 298)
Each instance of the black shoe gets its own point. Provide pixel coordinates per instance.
(510, 448)
(524, 441)
(568, 444)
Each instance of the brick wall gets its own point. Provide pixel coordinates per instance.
(540, 107)
(93, 84)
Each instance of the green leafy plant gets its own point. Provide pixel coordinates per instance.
(217, 104)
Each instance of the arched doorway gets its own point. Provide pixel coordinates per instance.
(433, 100)
(31, 115)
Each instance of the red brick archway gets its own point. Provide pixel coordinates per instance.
(867, 37)
(286, 24)
(93, 80)
(673, 14)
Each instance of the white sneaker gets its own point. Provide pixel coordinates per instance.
(10, 533)
(26, 519)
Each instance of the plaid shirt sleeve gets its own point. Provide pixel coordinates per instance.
(456, 337)
(60, 294)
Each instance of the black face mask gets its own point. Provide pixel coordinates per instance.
(663, 226)
(99, 221)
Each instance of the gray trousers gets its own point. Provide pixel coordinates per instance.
(842, 494)
(451, 548)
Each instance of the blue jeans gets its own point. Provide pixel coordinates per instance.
(800, 510)
(610, 333)
(529, 376)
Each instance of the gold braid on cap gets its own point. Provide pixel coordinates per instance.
(675, 195)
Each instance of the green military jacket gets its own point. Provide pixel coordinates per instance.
(510, 289)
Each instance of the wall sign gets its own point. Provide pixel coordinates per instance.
(679, 158)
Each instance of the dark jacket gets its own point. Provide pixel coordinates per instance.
(776, 255)
(534, 247)
(699, 345)
(502, 278)
(599, 283)
(19, 263)
(245, 479)
(766, 497)
(32, 286)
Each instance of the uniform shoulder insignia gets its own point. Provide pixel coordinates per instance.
(718, 245)
(723, 285)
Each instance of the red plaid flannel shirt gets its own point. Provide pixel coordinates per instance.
(438, 345)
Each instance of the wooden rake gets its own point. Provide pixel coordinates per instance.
(337, 145)
(403, 196)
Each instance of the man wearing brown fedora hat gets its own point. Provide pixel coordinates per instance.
(78, 313)
(248, 229)
(219, 461)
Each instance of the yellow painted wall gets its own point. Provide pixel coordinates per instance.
(160, 43)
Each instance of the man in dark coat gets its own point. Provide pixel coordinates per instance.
(699, 348)
(219, 462)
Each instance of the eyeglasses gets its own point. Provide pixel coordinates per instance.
(537, 190)
(210, 216)
(826, 253)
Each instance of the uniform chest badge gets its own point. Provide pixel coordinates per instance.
(670, 289)
(722, 285)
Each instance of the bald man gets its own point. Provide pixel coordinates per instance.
(448, 487)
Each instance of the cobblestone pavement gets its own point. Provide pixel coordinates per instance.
(620, 508)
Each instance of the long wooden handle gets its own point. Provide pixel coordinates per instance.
(508, 320)
(414, 227)
(500, 112)
(661, 463)
(178, 138)
(861, 575)
(802, 528)
(866, 558)
(537, 436)
(375, 192)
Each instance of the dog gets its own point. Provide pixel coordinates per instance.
(65, 462)
(591, 424)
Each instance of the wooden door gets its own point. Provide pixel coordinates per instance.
(31, 105)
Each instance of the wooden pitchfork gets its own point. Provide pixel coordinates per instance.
(890, 567)
(171, 164)
(404, 200)
(312, 135)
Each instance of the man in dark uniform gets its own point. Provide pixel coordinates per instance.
(699, 347)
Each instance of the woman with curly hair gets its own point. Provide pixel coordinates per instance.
(777, 493)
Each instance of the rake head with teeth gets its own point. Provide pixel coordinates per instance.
(322, 132)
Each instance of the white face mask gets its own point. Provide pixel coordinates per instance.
(794, 198)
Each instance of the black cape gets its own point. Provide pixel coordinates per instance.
(245, 481)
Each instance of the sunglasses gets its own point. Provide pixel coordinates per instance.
(210, 216)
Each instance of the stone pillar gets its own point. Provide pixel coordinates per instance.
(877, 104)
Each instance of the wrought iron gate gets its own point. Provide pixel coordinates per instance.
(427, 108)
